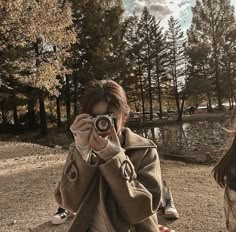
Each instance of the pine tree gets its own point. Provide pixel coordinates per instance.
(97, 54)
(146, 34)
(200, 84)
(212, 21)
(229, 67)
(100, 31)
(160, 62)
(176, 62)
(134, 65)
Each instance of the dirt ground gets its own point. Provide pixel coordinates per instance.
(29, 173)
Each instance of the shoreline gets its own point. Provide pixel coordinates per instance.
(186, 118)
(201, 148)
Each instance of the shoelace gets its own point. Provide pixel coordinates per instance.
(61, 211)
(168, 198)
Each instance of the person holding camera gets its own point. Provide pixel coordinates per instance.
(112, 177)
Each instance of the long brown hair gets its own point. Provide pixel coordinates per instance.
(105, 90)
(225, 169)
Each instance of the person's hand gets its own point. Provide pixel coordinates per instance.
(82, 129)
(97, 142)
(113, 137)
(105, 147)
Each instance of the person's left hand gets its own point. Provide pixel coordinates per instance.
(97, 142)
(106, 147)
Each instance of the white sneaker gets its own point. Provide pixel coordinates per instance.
(170, 211)
(60, 216)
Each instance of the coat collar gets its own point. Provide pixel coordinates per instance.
(135, 141)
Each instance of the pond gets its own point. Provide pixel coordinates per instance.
(198, 139)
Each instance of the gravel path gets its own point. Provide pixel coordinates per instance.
(29, 173)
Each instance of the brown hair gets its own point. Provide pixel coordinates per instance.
(225, 170)
(108, 91)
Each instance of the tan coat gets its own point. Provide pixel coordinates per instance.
(128, 187)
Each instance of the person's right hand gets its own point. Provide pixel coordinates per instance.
(81, 129)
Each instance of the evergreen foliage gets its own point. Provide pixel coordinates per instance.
(50, 50)
(211, 46)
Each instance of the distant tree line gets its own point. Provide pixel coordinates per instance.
(50, 50)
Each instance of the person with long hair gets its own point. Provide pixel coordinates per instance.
(225, 175)
(112, 176)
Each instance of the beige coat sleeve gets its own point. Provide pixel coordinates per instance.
(76, 179)
(137, 193)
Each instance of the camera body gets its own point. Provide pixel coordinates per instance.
(103, 123)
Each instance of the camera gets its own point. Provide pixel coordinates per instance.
(103, 123)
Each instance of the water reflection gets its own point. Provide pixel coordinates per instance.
(191, 136)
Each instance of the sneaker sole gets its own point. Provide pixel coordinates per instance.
(59, 222)
(171, 216)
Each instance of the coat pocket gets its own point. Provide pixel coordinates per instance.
(72, 172)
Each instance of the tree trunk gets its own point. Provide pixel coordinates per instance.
(150, 93)
(158, 83)
(31, 114)
(177, 99)
(15, 117)
(159, 92)
(58, 112)
(141, 89)
(217, 81)
(176, 89)
(230, 103)
(232, 95)
(68, 102)
(218, 92)
(4, 118)
(75, 95)
(149, 80)
(180, 113)
(42, 113)
(209, 108)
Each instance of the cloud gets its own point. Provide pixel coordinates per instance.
(160, 8)
(184, 3)
(163, 9)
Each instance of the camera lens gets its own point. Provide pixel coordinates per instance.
(103, 124)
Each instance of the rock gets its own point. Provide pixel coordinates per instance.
(12, 222)
(58, 147)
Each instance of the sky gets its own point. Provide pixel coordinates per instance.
(163, 9)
